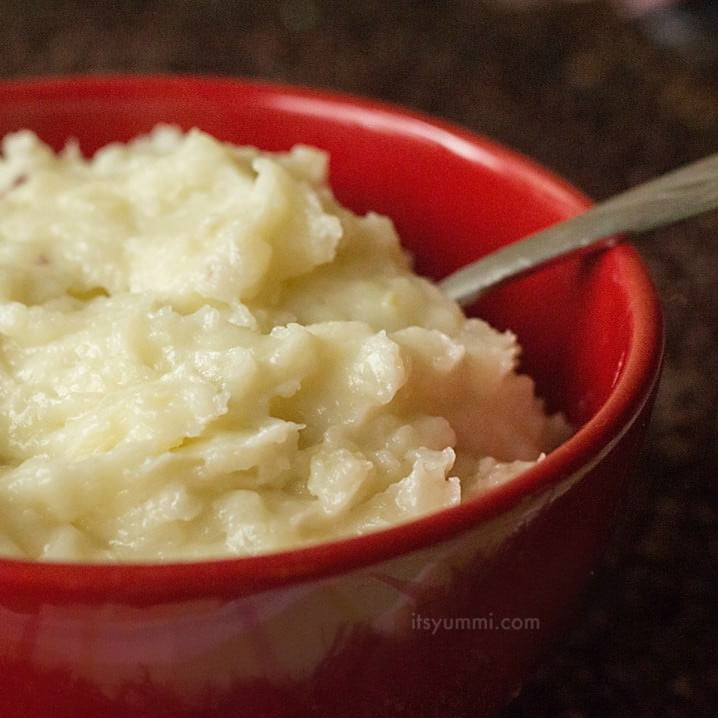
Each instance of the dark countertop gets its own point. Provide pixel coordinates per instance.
(590, 95)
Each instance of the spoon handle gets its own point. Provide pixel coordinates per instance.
(670, 198)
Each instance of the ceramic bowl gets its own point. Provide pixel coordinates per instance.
(443, 616)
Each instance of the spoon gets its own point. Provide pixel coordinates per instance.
(670, 198)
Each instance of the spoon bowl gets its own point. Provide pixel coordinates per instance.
(448, 613)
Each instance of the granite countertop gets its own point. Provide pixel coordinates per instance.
(594, 97)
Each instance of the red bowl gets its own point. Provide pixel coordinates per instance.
(441, 616)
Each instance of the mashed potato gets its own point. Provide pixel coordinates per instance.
(202, 354)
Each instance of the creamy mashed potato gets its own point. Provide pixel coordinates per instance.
(203, 354)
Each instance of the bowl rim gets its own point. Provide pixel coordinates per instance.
(142, 582)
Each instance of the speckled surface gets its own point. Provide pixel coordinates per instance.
(589, 95)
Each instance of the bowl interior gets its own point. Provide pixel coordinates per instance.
(453, 196)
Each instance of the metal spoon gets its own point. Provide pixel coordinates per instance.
(670, 198)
